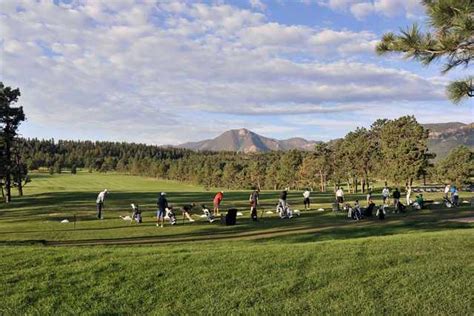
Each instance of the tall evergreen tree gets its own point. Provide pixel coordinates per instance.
(403, 145)
(458, 166)
(450, 37)
(10, 119)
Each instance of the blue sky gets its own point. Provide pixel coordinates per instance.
(167, 72)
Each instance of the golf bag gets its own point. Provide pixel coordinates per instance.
(231, 217)
(208, 213)
(171, 216)
(381, 212)
(368, 212)
(455, 200)
(400, 207)
(447, 202)
(354, 213)
(283, 209)
(253, 213)
(137, 214)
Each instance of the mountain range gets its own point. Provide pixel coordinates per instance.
(442, 138)
(243, 140)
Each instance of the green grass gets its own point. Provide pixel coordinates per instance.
(319, 263)
(426, 273)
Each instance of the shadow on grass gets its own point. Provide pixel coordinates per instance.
(376, 230)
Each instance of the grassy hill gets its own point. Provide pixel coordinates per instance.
(419, 262)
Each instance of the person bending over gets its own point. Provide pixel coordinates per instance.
(187, 211)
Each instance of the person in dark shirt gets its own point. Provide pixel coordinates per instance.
(282, 200)
(187, 211)
(370, 208)
(396, 198)
(161, 212)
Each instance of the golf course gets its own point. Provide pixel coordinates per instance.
(418, 262)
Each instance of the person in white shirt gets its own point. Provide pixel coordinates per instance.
(100, 203)
(306, 200)
(340, 195)
(385, 195)
(447, 188)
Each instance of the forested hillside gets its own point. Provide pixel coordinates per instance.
(358, 159)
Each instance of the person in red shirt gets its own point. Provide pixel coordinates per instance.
(217, 202)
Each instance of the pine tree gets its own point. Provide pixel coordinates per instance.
(10, 119)
(458, 166)
(450, 37)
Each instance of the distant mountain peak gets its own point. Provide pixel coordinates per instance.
(444, 137)
(244, 140)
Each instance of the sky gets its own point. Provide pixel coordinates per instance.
(168, 72)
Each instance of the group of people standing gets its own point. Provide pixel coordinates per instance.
(164, 209)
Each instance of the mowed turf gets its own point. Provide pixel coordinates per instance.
(50, 199)
(421, 273)
(419, 262)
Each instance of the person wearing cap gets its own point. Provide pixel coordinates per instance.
(100, 203)
(161, 212)
(217, 202)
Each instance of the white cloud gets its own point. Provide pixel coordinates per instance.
(257, 4)
(389, 8)
(134, 68)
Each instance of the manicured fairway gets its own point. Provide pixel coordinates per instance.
(419, 273)
(413, 263)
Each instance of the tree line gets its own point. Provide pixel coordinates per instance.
(391, 150)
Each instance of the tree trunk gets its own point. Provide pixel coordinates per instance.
(363, 185)
(20, 184)
(8, 178)
(355, 185)
(321, 185)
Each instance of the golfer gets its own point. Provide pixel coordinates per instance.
(306, 200)
(187, 211)
(161, 212)
(283, 196)
(217, 202)
(100, 203)
(340, 195)
(385, 195)
(253, 204)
